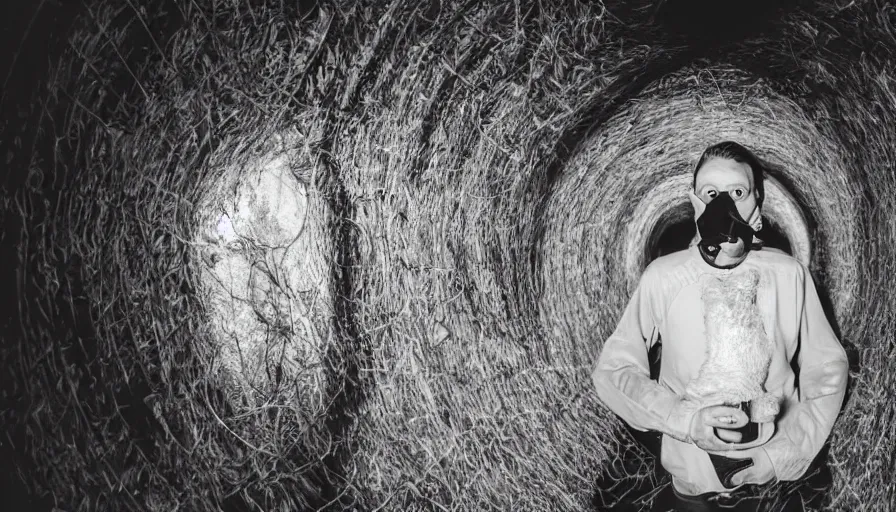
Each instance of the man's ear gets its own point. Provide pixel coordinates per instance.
(697, 203)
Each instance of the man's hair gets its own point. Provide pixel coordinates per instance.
(734, 151)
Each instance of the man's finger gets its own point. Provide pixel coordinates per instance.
(730, 436)
(733, 418)
(714, 444)
(729, 422)
(727, 410)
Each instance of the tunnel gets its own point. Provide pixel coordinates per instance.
(364, 255)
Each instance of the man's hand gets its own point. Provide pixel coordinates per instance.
(717, 416)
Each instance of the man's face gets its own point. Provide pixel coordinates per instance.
(726, 175)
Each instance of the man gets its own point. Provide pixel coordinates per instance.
(727, 197)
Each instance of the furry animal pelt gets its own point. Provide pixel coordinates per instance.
(738, 350)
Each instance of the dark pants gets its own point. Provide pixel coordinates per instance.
(635, 481)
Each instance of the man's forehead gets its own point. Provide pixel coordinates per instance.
(724, 170)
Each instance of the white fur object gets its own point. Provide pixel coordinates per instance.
(738, 350)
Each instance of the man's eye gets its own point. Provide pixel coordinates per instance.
(711, 194)
(739, 192)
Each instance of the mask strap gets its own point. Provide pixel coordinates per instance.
(755, 219)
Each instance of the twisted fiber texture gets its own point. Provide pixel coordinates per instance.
(483, 183)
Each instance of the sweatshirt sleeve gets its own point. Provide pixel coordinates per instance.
(622, 373)
(809, 414)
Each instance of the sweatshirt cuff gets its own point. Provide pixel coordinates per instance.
(680, 417)
(788, 461)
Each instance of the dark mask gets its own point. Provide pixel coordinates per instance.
(721, 222)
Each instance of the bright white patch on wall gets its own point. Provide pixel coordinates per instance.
(266, 281)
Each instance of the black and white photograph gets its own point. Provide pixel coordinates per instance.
(447, 255)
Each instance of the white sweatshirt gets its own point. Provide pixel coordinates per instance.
(666, 307)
